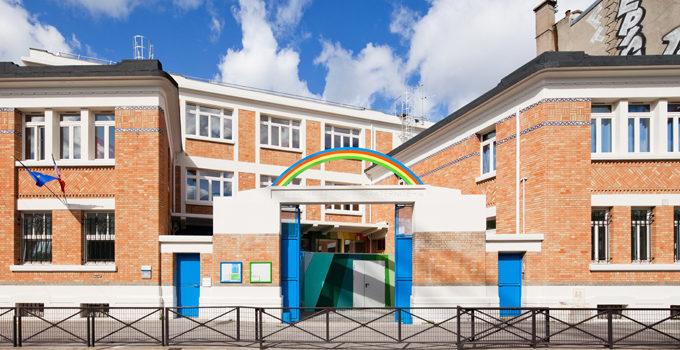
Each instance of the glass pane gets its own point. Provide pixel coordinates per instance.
(341, 131)
(669, 140)
(226, 129)
(355, 132)
(328, 129)
(76, 142)
(355, 142)
(28, 224)
(296, 138)
(203, 127)
(227, 175)
(227, 189)
(644, 134)
(606, 134)
(35, 118)
(337, 142)
(191, 172)
(264, 134)
(674, 107)
(345, 141)
(597, 215)
(631, 135)
(41, 142)
(191, 124)
(285, 137)
(70, 118)
(191, 189)
(494, 155)
(328, 141)
(488, 136)
(593, 241)
(600, 109)
(112, 142)
(275, 136)
(204, 190)
(638, 108)
(64, 149)
(215, 127)
(210, 110)
(99, 142)
(104, 117)
(210, 173)
(633, 244)
(643, 243)
(296, 123)
(264, 118)
(602, 244)
(280, 121)
(216, 189)
(227, 111)
(593, 135)
(486, 159)
(29, 151)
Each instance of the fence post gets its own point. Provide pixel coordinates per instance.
(328, 325)
(238, 323)
(257, 330)
(533, 328)
(88, 325)
(14, 328)
(547, 325)
(399, 324)
(92, 330)
(610, 330)
(458, 340)
(19, 326)
(472, 325)
(261, 329)
(166, 326)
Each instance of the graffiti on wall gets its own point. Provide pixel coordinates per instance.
(595, 20)
(672, 42)
(630, 30)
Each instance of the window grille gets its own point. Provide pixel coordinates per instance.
(599, 235)
(641, 230)
(36, 237)
(99, 237)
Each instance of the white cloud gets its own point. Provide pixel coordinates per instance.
(460, 49)
(19, 31)
(215, 28)
(289, 15)
(112, 8)
(375, 71)
(403, 21)
(187, 5)
(261, 63)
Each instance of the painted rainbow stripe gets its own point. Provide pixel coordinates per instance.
(348, 153)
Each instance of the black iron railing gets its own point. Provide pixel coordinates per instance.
(446, 327)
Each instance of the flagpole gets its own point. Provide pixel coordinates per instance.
(64, 202)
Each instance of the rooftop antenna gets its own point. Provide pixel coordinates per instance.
(143, 48)
(405, 108)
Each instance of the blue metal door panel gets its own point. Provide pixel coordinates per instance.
(403, 276)
(290, 267)
(188, 282)
(510, 282)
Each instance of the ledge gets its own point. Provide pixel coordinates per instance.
(635, 267)
(184, 239)
(209, 139)
(284, 149)
(63, 268)
(513, 243)
(640, 156)
(68, 163)
(487, 176)
(509, 237)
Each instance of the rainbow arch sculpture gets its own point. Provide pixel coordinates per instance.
(399, 169)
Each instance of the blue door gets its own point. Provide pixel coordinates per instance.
(510, 282)
(403, 247)
(290, 264)
(188, 282)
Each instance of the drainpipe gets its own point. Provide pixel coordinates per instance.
(517, 178)
(524, 205)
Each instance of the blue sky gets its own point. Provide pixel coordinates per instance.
(365, 53)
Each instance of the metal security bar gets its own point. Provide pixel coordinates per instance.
(418, 327)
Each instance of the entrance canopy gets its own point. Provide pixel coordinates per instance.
(436, 209)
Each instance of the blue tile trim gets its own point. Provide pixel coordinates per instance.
(158, 130)
(444, 149)
(540, 125)
(10, 132)
(505, 119)
(7, 109)
(509, 138)
(139, 108)
(451, 163)
(552, 100)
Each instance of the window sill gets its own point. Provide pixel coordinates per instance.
(277, 148)
(344, 212)
(635, 156)
(203, 203)
(63, 268)
(487, 176)
(209, 139)
(633, 267)
(67, 162)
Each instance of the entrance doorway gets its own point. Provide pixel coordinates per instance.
(368, 283)
(510, 282)
(188, 283)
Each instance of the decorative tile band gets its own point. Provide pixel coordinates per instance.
(553, 100)
(505, 119)
(158, 130)
(7, 109)
(10, 132)
(444, 149)
(540, 125)
(139, 108)
(451, 163)
(511, 137)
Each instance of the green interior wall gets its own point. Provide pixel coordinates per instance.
(327, 278)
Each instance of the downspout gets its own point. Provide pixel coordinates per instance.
(517, 178)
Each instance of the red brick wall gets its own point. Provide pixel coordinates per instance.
(67, 237)
(383, 142)
(246, 181)
(80, 182)
(313, 139)
(244, 248)
(207, 149)
(313, 211)
(10, 147)
(246, 136)
(279, 157)
(344, 165)
(652, 176)
(199, 209)
(447, 258)
(343, 218)
(662, 235)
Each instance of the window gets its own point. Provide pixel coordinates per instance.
(34, 142)
(343, 208)
(69, 126)
(277, 132)
(204, 185)
(105, 136)
(676, 234)
(601, 128)
(673, 140)
(209, 122)
(599, 235)
(100, 241)
(341, 137)
(638, 128)
(641, 224)
(36, 237)
(266, 181)
(31, 309)
(488, 152)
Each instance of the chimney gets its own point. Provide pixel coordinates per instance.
(545, 26)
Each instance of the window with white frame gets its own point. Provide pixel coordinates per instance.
(213, 123)
(105, 136)
(673, 125)
(342, 208)
(676, 234)
(601, 128)
(266, 181)
(278, 132)
(36, 237)
(204, 185)
(639, 123)
(641, 231)
(340, 137)
(488, 150)
(69, 136)
(34, 137)
(599, 235)
(100, 240)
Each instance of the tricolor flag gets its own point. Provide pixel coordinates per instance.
(62, 184)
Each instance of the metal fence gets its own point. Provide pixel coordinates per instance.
(460, 327)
